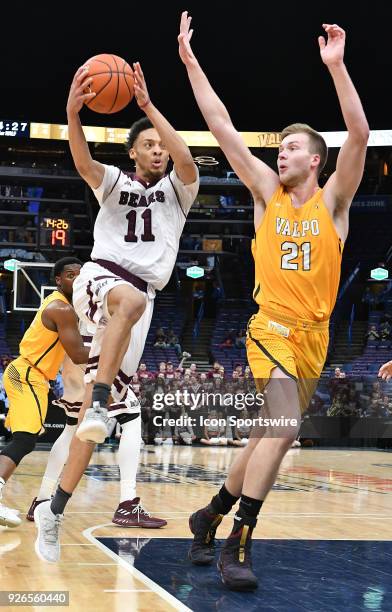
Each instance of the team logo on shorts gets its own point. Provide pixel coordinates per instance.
(278, 328)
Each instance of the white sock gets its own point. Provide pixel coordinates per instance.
(128, 458)
(57, 458)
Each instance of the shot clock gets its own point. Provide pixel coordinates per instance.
(55, 232)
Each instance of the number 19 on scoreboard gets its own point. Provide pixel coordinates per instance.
(59, 238)
(55, 232)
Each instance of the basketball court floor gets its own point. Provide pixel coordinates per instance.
(323, 542)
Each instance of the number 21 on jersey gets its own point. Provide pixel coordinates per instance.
(296, 256)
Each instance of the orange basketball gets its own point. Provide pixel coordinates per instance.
(112, 83)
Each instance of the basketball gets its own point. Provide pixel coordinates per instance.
(112, 83)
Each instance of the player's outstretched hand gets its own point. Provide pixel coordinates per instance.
(332, 50)
(141, 91)
(385, 372)
(184, 37)
(79, 92)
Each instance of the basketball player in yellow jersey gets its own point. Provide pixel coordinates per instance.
(53, 332)
(300, 230)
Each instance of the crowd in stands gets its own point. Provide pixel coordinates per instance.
(167, 339)
(170, 381)
(380, 333)
(341, 395)
(235, 339)
(353, 397)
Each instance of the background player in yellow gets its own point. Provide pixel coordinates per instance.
(53, 332)
(299, 234)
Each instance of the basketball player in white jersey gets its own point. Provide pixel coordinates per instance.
(136, 240)
(130, 512)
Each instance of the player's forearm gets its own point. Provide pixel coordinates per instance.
(78, 144)
(350, 103)
(178, 150)
(79, 355)
(210, 105)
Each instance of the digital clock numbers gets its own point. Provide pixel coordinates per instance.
(9, 127)
(56, 232)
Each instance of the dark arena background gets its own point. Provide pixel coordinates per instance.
(324, 538)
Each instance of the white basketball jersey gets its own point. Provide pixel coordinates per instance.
(139, 225)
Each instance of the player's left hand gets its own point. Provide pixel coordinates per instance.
(184, 39)
(385, 372)
(141, 91)
(332, 50)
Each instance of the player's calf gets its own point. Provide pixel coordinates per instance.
(22, 444)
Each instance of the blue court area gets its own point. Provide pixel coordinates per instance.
(295, 575)
(172, 472)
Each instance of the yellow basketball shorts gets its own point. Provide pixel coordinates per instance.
(297, 346)
(27, 391)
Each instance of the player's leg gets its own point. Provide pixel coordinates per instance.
(125, 305)
(28, 399)
(71, 402)
(130, 512)
(122, 307)
(22, 444)
(283, 401)
(49, 514)
(57, 458)
(204, 522)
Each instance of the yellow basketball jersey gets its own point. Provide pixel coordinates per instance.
(298, 255)
(42, 347)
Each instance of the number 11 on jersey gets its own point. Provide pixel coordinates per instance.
(147, 235)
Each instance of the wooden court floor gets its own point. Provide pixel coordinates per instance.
(319, 495)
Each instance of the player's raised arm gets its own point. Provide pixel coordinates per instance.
(89, 169)
(177, 148)
(257, 176)
(342, 185)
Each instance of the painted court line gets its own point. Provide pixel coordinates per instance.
(153, 586)
(96, 564)
(127, 591)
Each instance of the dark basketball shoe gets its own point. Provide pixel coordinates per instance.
(235, 563)
(203, 525)
(131, 513)
(34, 504)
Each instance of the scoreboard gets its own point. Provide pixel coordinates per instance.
(257, 140)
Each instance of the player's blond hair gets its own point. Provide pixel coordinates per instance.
(317, 142)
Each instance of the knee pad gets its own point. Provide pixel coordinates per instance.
(22, 444)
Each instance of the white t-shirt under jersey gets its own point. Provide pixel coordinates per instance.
(139, 225)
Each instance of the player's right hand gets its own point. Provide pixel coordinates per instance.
(79, 92)
(184, 37)
(385, 372)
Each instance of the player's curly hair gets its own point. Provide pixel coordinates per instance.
(65, 261)
(139, 126)
(316, 141)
